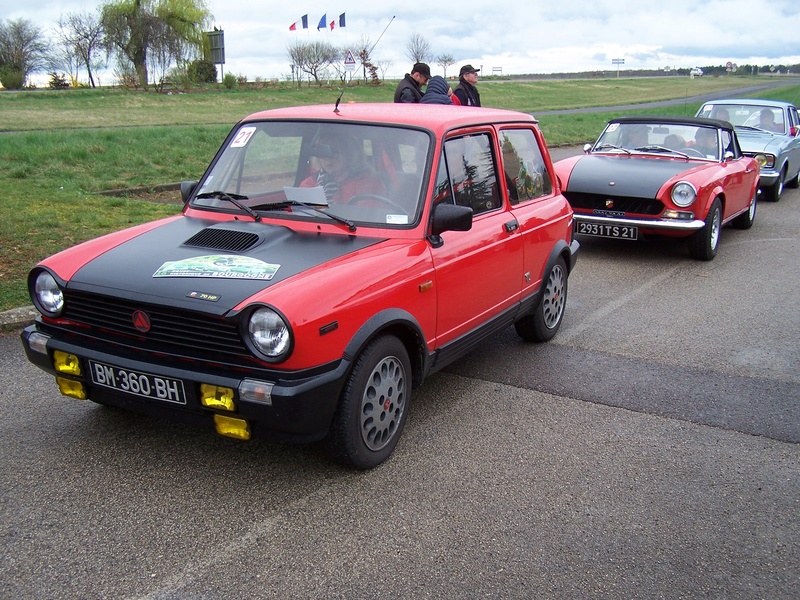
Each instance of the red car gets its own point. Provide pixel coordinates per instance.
(328, 260)
(681, 177)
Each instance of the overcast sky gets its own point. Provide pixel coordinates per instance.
(509, 37)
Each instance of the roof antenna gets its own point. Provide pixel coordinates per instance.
(339, 99)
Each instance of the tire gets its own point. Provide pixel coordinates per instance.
(545, 320)
(374, 405)
(704, 243)
(745, 220)
(774, 192)
(794, 182)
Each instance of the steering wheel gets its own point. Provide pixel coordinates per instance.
(383, 199)
(692, 151)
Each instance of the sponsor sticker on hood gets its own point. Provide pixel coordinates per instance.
(223, 266)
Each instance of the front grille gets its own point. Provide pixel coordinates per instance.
(639, 206)
(172, 330)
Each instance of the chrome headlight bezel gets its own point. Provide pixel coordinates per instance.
(683, 194)
(46, 293)
(765, 160)
(268, 334)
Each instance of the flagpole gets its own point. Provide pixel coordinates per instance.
(381, 35)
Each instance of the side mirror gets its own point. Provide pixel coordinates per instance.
(586, 148)
(727, 156)
(451, 217)
(187, 187)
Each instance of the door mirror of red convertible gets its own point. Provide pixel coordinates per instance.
(187, 187)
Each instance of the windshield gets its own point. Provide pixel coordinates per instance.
(767, 118)
(661, 138)
(365, 174)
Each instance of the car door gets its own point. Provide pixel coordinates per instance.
(737, 176)
(478, 272)
(530, 192)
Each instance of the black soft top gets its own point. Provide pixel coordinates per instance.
(649, 120)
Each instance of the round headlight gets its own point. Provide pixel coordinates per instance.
(269, 333)
(683, 194)
(47, 296)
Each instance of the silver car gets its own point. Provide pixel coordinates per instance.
(769, 131)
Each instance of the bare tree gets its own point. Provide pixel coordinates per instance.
(81, 36)
(313, 57)
(166, 29)
(22, 52)
(444, 61)
(418, 49)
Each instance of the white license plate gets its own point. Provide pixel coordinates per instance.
(137, 383)
(623, 232)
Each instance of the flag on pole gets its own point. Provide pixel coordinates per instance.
(341, 20)
(322, 22)
(333, 23)
(303, 20)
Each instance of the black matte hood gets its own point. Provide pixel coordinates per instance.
(190, 259)
(630, 176)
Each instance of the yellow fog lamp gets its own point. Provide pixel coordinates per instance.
(66, 363)
(233, 428)
(71, 388)
(218, 397)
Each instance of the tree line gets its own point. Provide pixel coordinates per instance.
(142, 36)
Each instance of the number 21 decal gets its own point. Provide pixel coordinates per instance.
(242, 137)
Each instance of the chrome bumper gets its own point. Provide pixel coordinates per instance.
(667, 224)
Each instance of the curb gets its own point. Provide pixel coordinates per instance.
(17, 318)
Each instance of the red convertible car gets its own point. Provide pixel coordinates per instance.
(328, 260)
(681, 177)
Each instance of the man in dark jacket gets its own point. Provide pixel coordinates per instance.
(466, 91)
(408, 90)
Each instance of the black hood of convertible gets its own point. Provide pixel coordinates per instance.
(207, 265)
(631, 176)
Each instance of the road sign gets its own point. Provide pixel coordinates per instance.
(349, 61)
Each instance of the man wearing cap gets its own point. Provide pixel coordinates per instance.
(408, 90)
(466, 91)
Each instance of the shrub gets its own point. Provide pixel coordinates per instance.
(202, 71)
(229, 81)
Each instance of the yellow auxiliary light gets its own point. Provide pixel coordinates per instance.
(66, 363)
(71, 388)
(233, 428)
(214, 396)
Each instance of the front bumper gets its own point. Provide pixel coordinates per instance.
(662, 224)
(300, 409)
(767, 178)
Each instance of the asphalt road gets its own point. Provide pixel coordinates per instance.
(649, 451)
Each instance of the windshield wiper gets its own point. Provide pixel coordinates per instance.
(753, 128)
(656, 148)
(612, 147)
(233, 199)
(283, 203)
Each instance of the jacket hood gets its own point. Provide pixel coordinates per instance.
(437, 85)
(209, 266)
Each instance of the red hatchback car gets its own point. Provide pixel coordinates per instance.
(681, 177)
(328, 260)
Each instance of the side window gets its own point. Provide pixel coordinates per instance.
(727, 143)
(525, 171)
(472, 174)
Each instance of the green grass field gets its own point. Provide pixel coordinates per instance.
(60, 148)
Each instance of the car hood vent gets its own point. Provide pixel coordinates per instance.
(224, 240)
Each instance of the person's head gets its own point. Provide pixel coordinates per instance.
(674, 142)
(766, 118)
(438, 85)
(421, 73)
(706, 137)
(469, 74)
(637, 135)
(722, 114)
(335, 153)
